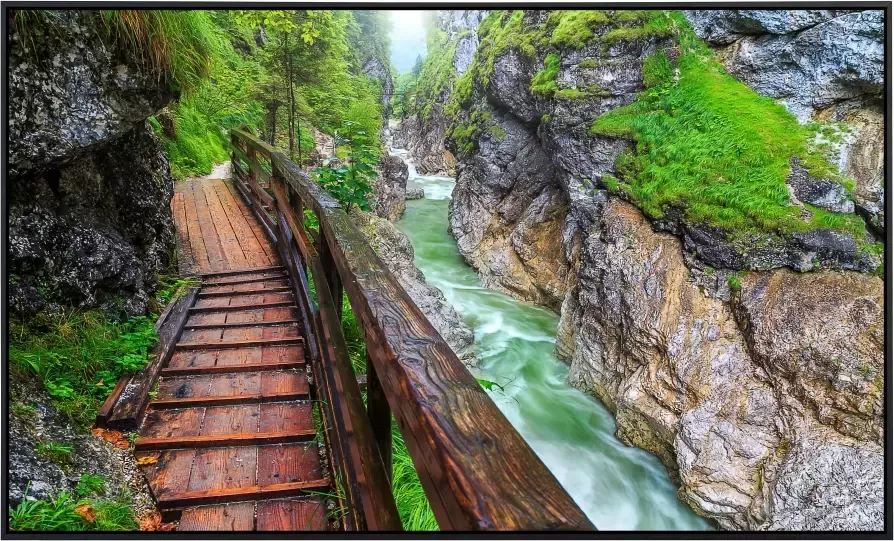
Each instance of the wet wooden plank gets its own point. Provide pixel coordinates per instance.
(205, 497)
(220, 420)
(194, 231)
(254, 253)
(228, 400)
(232, 324)
(236, 291)
(192, 359)
(232, 249)
(247, 285)
(170, 473)
(221, 344)
(239, 308)
(283, 382)
(224, 468)
(233, 368)
(307, 514)
(186, 258)
(173, 423)
(224, 442)
(216, 259)
(286, 417)
(288, 463)
(211, 276)
(234, 517)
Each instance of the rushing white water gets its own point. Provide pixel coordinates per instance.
(618, 487)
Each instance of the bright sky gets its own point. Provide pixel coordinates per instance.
(407, 38)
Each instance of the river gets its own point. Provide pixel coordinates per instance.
(618, 487)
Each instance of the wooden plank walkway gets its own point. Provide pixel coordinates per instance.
(229, 440)
(216, 231)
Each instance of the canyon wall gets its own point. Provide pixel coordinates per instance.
(749, 361)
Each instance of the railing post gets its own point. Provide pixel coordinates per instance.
(332, 277)
(379, 416)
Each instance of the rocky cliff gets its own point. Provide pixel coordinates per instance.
(89, 184)
(582, 142)
(422, 130)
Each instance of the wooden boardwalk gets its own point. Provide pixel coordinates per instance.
(216, 231)
(229, 440)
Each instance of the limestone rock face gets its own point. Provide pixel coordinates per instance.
(390, 188)
(395, 250)
(748, 403)
(89, 185)
(376, 69)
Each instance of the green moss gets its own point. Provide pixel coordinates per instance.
(735, 284)
(657, 70)
(656, 24)
(589, 63)
(573, 29)
(711, 145)
(544, 81)
(497, 132)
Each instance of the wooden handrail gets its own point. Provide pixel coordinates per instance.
(477, 471)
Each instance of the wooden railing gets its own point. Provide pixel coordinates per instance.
(476, 470)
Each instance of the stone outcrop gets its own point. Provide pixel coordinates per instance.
(89, 185)
(376, 69)
(390, 188)
(758, 387)
(395, 250)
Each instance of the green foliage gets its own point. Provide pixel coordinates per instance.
(349, 182)
(90, 484)
(79, 356)
(544, 81)
(735, 284)
(198, 144)
(657, 70)
(56, 452)
(589, 63)
(59, 514)
(178, 45)
(711, 145)
(573, 29)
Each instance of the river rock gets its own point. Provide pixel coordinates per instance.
(396, 252)
(390, 188)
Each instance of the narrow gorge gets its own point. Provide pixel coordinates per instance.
(699, 197)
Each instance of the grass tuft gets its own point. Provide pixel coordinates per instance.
(179, 45)
(66, 513)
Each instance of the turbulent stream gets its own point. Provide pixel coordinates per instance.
(617, 486)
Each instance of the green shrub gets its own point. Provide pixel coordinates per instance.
(90, 484)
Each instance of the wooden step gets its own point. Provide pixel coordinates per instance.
(274, 304)
(223, 440)
(232, 272)
(271, 323)
(196, 401)
(232, 368)
(239, 281)
(204, 294)
(241, 343)
(208, 497)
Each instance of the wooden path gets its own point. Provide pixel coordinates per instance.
(216, 231)
(229, 440)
